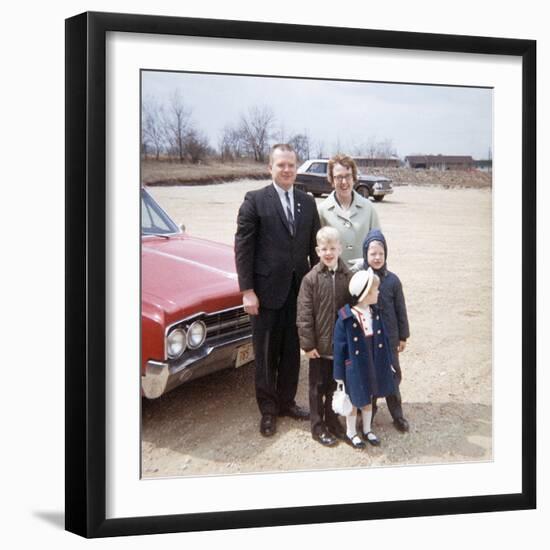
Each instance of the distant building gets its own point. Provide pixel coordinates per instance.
(439, 162)
(376, 162)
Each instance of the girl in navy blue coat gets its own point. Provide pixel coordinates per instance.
(391, 303)
(362, 355)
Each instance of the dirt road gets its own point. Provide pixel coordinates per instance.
(440, 244)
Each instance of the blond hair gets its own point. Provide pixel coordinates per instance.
(327, 234)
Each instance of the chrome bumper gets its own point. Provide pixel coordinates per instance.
(161, 377)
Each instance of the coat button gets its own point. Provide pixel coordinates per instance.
(355, 338)
(377, 317)
(356, 352)
(354, 325)
(380, 345)
(378, 331)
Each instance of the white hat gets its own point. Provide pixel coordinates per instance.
(361, 283)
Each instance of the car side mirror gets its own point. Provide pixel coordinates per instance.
(182, 227)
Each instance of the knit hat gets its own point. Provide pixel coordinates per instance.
(374, 235)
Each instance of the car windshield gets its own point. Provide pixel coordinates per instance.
(318, 168)
(154, 221)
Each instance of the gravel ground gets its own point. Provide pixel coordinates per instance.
(440, 244)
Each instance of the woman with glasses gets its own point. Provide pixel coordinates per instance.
(347, 211)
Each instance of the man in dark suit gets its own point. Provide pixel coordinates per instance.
(274, 249)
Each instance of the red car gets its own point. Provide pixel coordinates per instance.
(192, 319)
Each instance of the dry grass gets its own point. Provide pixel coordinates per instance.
(162, 172)
(451, 178)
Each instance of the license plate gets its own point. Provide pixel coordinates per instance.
(245, 354)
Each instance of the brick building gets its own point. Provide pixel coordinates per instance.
(439, 162)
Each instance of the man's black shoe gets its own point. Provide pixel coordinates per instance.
(268, 425)
(401, 424)
(296, 412)
(325, 438)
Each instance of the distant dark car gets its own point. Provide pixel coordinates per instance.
(312, 178)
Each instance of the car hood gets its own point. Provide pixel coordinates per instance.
(183, 275)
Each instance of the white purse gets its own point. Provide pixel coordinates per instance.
(341, 403)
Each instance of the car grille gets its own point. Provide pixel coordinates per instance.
(227, 323)
(383, 184)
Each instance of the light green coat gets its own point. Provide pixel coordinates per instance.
(353, 225)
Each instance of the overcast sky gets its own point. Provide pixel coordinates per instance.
(416, 118)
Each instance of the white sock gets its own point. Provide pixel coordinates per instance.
(366, 415)
(351, 425)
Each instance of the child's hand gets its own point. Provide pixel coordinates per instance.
(402, 345)
(312, 354)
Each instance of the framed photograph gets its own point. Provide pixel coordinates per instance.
(169, 123)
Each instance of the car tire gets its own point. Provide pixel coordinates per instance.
(379, 198)
(363, 190)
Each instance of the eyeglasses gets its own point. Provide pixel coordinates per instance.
(347, 177)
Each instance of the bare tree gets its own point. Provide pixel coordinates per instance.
(373, 148)
(301, 144)
(196, 146)
(255, 129)
(177, 124)
(230, 144)
(385, 149)
(280, 135)
(338, 150)
(152, 131)
(320, 149)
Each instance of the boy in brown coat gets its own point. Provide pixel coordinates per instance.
(324, 290)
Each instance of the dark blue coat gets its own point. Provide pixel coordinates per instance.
(352, 358)
(391, 300)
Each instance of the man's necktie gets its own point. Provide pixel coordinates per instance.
(289, 215)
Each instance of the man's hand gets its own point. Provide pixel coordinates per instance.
(402, 345)
(312, 354)
(250, 302)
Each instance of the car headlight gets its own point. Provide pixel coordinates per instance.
(176, 342)
(196, 334)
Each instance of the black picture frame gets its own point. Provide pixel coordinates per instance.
(86, 273)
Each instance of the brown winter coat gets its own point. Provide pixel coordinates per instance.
(319, 300)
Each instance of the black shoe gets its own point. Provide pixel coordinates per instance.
(325, 438)
(296, 412)
(337, 431)
(401, 424)
(371, 438)
(268, 425)
(356, 442)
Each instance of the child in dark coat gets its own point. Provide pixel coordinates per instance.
(324, 290)
(393, 310)
(362, 356)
